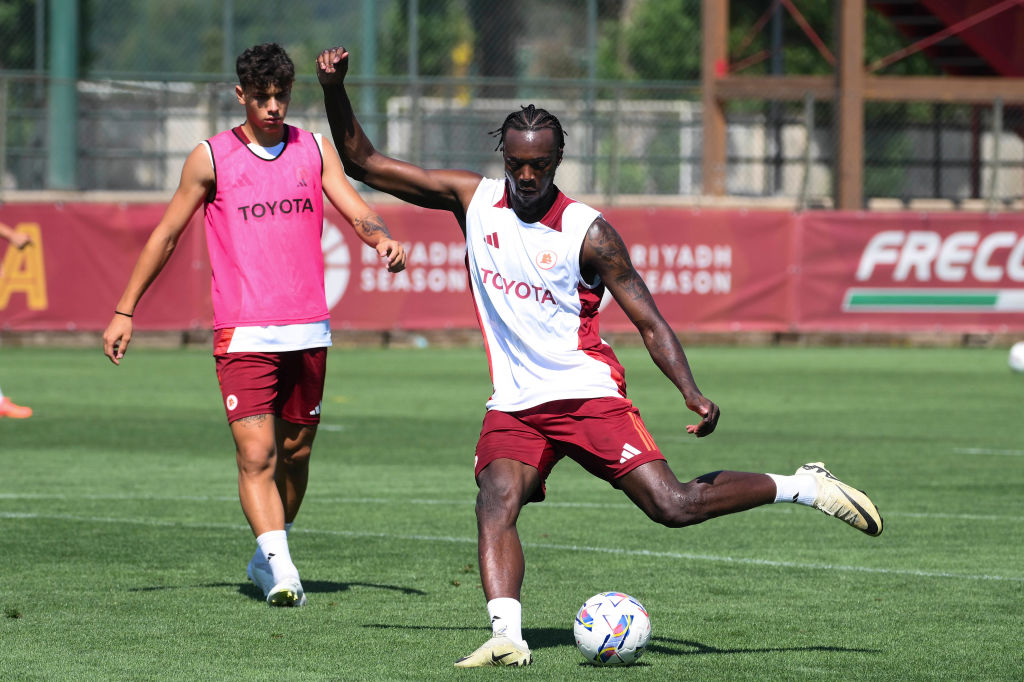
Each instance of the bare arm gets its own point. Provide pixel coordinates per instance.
(449, 190)
(604, 254)
(197, 181)
(17, 239)
(364, 220)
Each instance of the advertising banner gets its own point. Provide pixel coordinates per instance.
(431, 293)
(708, 270)
(905, 271)
(73, 272)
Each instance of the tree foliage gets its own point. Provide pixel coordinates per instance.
(661, 40)
(17, 39)
(442, 26)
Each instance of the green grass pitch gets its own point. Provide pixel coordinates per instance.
(124, 546)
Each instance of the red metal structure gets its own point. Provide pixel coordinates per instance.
(979, 44)
(961, 37)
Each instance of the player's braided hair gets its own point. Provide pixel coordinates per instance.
(530, 118)
(262, 66)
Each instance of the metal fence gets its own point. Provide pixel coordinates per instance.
(430, 78)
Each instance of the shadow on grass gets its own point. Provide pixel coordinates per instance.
(328, 587)
(545, 638)
(539, 638)
(685, 647)
(311, 587)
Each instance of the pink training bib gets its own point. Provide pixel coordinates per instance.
(263, 230)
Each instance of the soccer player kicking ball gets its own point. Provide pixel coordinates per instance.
(262, 185)
(539, 263)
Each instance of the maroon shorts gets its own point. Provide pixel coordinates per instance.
(606, 436)
(288, 385)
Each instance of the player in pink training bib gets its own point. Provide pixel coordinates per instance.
(262, 185)
(539, 263)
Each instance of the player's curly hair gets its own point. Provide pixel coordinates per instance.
(529, 118)
(262, 66)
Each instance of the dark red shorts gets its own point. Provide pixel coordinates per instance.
(606, 436)
(288, 385)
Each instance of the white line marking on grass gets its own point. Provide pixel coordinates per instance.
(86, 496)
(988, 451)
(960, 517)
(532, 545)
(469, 502)
(789, 509)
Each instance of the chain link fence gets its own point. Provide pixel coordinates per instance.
(933, 150)
(431, 78)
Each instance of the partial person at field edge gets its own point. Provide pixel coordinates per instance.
(8, 408)
(271, 321)
(538, 264)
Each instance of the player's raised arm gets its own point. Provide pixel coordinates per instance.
(449, 190)
(364, 220)
(605, 255)
(196, 182)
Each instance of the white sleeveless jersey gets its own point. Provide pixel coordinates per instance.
(538, 317)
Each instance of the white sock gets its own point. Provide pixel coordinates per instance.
(798, 489)
(258, 554)
(274, 546)
(506, 618)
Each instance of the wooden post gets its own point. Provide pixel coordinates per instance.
(715, 20)
(850, 105)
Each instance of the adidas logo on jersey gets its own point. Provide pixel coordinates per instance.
(315, 411)
(492, 240)
(628, 452)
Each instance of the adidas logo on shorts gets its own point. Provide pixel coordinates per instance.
(628, 452)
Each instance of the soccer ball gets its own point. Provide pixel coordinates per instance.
(1016, 359)
(612, 628)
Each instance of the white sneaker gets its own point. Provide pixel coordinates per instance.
(288, 592)
(843, 501)
(498, 651)
(259, 573)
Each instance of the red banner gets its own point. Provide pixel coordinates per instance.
(708, 270)
(950, 271)
(79, 261)
(432, 292)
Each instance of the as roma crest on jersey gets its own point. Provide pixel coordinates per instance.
(546, 260)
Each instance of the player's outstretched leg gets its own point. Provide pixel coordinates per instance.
(498, 651)
(843, 501)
